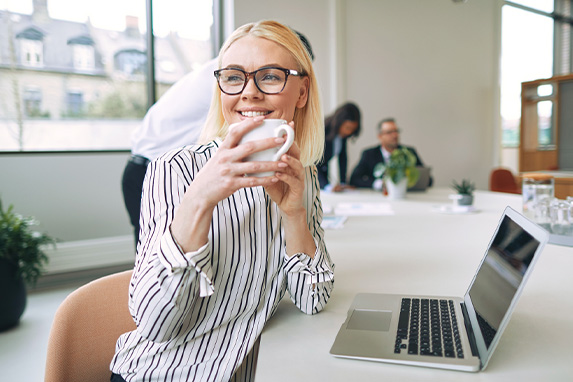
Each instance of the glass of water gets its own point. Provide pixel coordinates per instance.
(538, 191)
(561, 218)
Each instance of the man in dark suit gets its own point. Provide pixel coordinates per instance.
(389, 137)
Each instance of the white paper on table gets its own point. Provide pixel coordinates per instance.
(327, 208)
(333, 222)
(363, 209)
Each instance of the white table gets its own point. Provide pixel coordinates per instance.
(419, 250)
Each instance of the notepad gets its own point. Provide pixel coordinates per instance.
(333, 222)
(363, 209)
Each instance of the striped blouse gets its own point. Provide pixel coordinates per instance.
(200, 314)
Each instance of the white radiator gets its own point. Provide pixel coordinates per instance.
(88, 254)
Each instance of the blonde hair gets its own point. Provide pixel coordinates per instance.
(308, 120)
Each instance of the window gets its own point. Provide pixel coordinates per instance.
(32, 103)
(32, 52)
(130, 62)
(83, 56)
(526, 55)
(75, 101)
(56, 65)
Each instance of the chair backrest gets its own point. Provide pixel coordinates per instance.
(85, 329)
(502, 180)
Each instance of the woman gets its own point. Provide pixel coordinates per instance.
(219, 249)
(341, 125)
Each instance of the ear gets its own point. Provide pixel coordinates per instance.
(303, 92)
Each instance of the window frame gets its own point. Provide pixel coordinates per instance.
(559, 50)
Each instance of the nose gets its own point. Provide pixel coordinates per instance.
(251, 90)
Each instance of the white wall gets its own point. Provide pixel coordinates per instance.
(430, 64)
(74, 196)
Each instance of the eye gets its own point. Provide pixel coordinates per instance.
(271, 76)
(232, 77)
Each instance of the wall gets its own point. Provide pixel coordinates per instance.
(77, 199)
(430, 64)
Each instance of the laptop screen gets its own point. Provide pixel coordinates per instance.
(500, 275)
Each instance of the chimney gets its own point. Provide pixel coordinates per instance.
(40, 14)
(132, 26)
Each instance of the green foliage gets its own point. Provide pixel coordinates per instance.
(125, 103)
(20, 245)
(402, 164)
(466, 187)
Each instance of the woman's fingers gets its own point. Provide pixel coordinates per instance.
(237, 130)
(258, 167)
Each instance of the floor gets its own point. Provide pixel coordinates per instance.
(23, 348)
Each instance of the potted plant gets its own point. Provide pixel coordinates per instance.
(22, 260)
(399, 173)
(465, 190)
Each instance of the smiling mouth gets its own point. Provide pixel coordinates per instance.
(251, 114)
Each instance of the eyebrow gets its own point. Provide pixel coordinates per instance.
(273, 65)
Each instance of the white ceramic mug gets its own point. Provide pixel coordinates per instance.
(269, 128)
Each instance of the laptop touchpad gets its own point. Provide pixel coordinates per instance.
(375, 320)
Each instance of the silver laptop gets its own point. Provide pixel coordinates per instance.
(447, 332)
(423, 181)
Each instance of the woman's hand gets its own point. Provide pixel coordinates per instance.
(342, 187)
(221, 176)
(288, 193)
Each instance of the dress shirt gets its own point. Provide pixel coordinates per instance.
(178, 117)
(200, 314)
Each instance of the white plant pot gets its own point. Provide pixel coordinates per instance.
(397, 191)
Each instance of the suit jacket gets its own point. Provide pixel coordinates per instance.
(322, 166)
(363, 174)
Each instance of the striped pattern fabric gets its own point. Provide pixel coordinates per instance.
(200, 314)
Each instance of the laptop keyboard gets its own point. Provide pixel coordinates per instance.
(428, 327)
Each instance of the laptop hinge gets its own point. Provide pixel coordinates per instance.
(469, 330)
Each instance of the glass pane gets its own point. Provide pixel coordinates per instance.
(542, 5)
(545, 123)
(185, 24)
(545, 90)
(526, 55)
(73, 73)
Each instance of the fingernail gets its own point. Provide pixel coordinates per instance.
(279, 140)
(283, 164)
(258, 118)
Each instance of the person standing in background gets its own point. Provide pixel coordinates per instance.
(173, 121)
(344, 123)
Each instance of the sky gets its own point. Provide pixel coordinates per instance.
(190, 18)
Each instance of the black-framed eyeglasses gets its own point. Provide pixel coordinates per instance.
(269, 80)
(394, 131)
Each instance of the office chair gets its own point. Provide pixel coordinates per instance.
(502, 180)
(85, 329)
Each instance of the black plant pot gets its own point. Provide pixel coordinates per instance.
(12, 296)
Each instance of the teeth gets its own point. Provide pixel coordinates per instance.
(251, 114)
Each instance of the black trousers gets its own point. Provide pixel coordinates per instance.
(131, 186)
(116, 378)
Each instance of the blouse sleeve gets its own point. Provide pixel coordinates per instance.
(166, 282)
(310, 280)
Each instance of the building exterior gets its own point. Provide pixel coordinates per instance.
(57, 74)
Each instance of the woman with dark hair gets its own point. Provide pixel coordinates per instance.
(344, 123)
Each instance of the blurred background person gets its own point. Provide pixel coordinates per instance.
(389, 138)
(343, 124)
